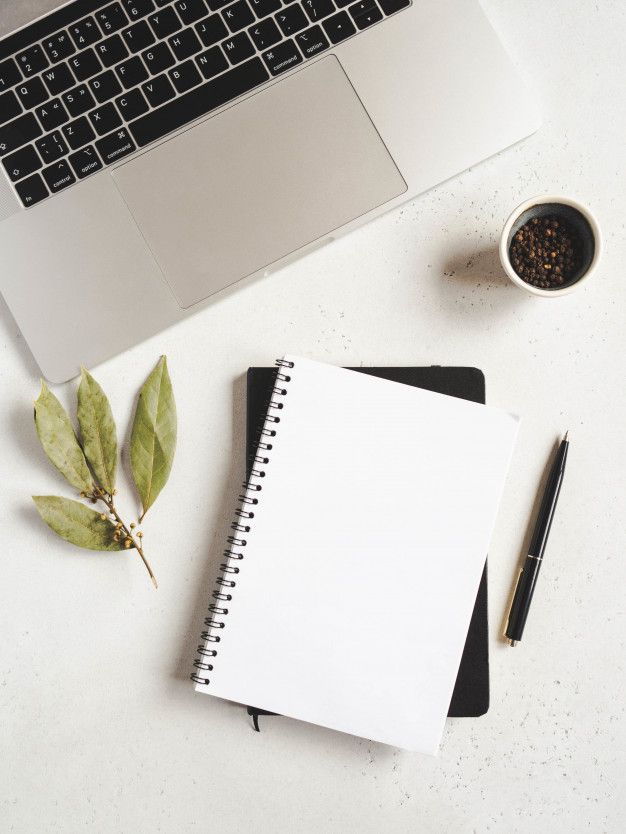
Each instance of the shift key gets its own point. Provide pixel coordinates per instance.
(115, 146)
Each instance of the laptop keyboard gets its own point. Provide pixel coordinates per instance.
(94, 81)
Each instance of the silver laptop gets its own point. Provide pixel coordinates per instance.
(164, 151)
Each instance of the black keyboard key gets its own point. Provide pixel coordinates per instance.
(32, 60)
(190, 10)
(85, 162)
(368, 19)
(30, 93)
(58, 176)
(105, 119)
(292, 19)
(138, 37)
(78, 100)
(282, 57)
(211, 62)
(365, 13)
(184, 76)
(214, 5)
(164, 22)
(78, 133)
(51, 147)
(158, 58)
(196, 103)
(85, 32)
(111, 18)
(238, 48)
(18, 132)
(58, 79)
(52, 114)
(211, 30)
(58, 47)
(138, 8)
(9, 74)
(132, 104)
(391, 6)
(115, 146)
(185, 44)
(261, 8)
(31, 190)
(9, 107)
(362, 7)
(312, 41)
(105, 86)
(317, 9)
(85, 64)
(238, 16)
(339, 27)
(158, 90)
(342, 3)
(21, 163)
(131, 72)
(111, 51)
(265, 34)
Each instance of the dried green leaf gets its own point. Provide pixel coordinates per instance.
(153, 436)
(59, 442)
(97, 429)
(77, 523)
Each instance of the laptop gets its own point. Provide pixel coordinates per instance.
(157, 154)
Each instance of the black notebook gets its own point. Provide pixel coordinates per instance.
(471, 692)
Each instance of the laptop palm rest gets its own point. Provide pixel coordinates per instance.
(259, 181)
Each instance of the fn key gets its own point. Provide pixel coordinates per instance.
(31, 190)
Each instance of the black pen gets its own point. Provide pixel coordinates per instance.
(527, 578)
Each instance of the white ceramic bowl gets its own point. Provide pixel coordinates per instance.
(572, 211)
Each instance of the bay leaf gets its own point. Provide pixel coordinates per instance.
(153, 435)
(77, 523)
(97, 429)
(59, 442)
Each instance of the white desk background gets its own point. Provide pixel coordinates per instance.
(100, 729)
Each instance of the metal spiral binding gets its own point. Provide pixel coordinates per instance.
(240, 527)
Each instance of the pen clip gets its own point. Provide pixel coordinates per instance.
(511, 598)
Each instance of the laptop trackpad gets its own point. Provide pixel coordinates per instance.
(259, 181)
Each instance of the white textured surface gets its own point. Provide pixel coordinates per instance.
(99, 727)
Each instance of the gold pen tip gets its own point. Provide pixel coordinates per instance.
(512, 642)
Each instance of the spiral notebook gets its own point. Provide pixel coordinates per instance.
(470, 697)
(356, 554)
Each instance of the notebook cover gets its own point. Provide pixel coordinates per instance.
(471, 692)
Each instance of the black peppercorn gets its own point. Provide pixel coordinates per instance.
(546, 252)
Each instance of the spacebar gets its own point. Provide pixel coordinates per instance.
(196, 103)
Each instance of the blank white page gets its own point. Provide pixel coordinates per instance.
(364, 556)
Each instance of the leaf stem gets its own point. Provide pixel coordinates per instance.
(108, 500)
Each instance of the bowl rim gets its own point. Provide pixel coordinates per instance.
(541, 200)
